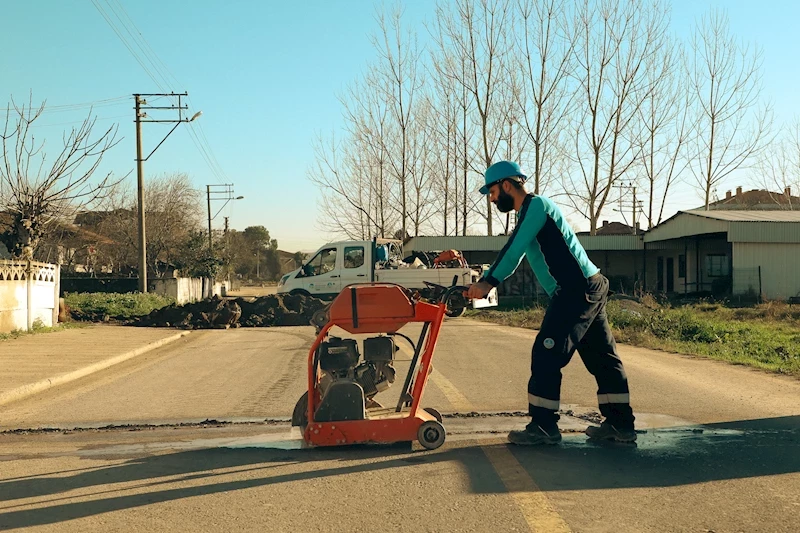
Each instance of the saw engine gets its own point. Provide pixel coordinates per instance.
(347, 383)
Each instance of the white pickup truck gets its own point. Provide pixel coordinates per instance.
(339, 264)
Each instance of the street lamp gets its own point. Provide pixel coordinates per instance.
(141, 104)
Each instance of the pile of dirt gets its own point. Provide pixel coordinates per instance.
(219, 313)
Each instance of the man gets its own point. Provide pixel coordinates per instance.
(575, 318)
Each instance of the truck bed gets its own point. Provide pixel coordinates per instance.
(415, 277)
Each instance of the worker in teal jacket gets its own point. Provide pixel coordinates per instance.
(575, 318)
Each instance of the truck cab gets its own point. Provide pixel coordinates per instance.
(331, 268)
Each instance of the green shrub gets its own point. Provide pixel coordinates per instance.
(95, 305)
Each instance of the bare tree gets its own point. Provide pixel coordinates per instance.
(726, 77)
(367, 122)
(369, 178)
(667, 126)
(617, 42)
(778, 167)
(424, 202)
(401, 81)
(545, 46)
(443, 125)
(344, 208)
(174, 211)
(449, 68)
(37, 191)
(476, 33)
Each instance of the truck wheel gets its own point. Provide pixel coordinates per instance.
(299, 292)
(455, 312)
(456, 305)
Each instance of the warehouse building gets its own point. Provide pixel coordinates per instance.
(739, 252)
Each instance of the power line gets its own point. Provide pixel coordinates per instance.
(107, 102)
(159, 67)
(121, 38)
(99, 119)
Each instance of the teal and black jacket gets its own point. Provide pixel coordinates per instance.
(545, 237)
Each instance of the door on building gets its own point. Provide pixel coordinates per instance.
(670, 274)
(660, 274)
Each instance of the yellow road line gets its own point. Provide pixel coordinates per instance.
(457, 400)
(532, 502)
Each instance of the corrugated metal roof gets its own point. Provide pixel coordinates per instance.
(740, 226)
(685, 224)
(749, 216)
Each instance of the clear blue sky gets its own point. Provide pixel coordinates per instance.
(266, 75)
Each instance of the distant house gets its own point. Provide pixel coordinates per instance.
(757, 199)
(287, 260)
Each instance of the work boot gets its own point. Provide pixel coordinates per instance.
(608, 431)
(534, 435)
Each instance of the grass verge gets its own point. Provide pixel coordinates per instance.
(765, 336)
(38, 329)
(98, 306)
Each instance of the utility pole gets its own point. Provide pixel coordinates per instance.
(218, 192)
(636, 205)
(140, 196)
(208, 196)
(140, 107)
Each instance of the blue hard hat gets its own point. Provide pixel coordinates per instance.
(500, 171)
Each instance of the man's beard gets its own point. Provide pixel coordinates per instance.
(504, 202)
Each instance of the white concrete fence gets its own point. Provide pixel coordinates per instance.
(186, 290)
(28, 294)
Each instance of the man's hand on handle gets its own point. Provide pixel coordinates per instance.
(478, 290)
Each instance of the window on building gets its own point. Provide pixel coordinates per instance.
(681, 266)
(716, 265)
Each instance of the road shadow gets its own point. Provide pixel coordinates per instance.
(670, 457)
(662, 458)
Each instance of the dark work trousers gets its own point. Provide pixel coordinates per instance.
(576, 319)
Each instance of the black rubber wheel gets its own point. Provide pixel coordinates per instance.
(434, 413)
(300, 414)
(456, 305)
(455, 312)
(299, 292)
(431, 434)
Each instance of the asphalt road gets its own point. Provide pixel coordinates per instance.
(719, 448)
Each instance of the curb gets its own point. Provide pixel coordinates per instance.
(34, 388)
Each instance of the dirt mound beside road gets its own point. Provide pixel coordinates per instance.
(216, 312)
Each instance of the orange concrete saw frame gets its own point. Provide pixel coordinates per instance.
(378, 308)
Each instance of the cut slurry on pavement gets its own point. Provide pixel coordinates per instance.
(255, 477)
